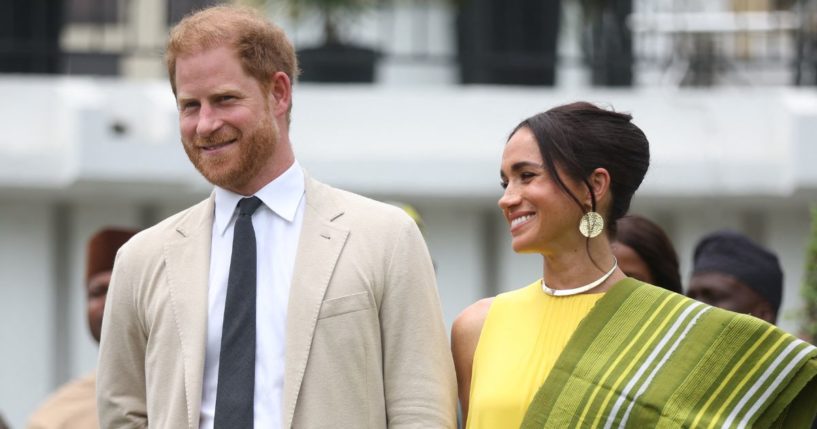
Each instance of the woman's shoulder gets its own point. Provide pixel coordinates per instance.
(469, 322)
(465, 332)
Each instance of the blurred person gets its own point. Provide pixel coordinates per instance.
(587, 346)
(308, 306)
(644, 252)
(74, 404)
(733, 272)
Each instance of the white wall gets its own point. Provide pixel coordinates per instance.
(454, 238)
(720, 158)
(28, 306)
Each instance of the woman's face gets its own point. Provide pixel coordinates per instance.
(542, 218)
(631, 263)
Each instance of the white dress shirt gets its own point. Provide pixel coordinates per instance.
(277, 223)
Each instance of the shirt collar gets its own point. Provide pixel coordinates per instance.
(282, 196)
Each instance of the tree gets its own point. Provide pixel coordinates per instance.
(809, 288)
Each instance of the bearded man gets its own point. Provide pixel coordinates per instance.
(278, 301)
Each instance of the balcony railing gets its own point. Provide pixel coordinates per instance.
(613, 42)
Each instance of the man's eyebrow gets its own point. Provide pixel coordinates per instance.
(183, 99)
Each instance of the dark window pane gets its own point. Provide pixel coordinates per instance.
(93, 11)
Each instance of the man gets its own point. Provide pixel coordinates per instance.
(74, 404)
(310, 307)
(731, 271)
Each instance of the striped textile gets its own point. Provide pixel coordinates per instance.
(645, 357)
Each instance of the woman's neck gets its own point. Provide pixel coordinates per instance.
(580, 266)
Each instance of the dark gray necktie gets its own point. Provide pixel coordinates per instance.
(236, 363)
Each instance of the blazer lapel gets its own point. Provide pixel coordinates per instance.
(319, 247)
(188, 265)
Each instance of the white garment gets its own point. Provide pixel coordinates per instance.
(277, 224)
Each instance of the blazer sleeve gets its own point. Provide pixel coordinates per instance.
(121, 398)
(419, 381)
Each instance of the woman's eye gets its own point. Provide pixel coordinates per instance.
(503, 184)
(527, 176)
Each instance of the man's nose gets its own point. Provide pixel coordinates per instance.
(209, 121)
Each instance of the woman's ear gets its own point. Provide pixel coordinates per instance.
(599, 181)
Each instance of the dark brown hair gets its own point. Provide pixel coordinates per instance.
(654, 247)
(580, 137)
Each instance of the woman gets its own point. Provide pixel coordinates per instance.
(644, 252)
(586, 346)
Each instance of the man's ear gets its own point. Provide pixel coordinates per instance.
(599, 181)
(280, 91)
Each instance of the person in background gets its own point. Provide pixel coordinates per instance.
(644, 252)
(73, 406)
(586, 346)
(733, 272)
(278, 301)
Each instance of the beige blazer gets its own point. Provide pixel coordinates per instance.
(365, 348)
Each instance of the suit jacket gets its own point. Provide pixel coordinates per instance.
(365, 341)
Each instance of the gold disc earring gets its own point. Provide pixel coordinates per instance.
(591, 224)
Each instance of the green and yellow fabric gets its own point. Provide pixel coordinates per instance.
(646, 357)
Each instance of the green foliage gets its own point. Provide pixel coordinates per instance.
(809, 288)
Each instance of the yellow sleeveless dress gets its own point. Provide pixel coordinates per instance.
(523, 335)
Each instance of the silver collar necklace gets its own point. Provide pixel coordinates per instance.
(580, 289)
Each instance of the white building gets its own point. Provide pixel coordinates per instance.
(79, 153)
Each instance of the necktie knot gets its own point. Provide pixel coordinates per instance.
(247, 206)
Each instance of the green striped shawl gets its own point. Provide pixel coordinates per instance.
(648, 358)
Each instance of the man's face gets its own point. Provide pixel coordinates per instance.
(725, 291)
(224, 115)
(97, 291)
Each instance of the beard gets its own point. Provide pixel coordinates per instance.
(236, 168)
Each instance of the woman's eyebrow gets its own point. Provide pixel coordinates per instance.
(525, 164)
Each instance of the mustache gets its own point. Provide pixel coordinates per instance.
(216, 138)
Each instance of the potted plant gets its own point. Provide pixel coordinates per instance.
(502, 42)
(607, 41)
(335, 59)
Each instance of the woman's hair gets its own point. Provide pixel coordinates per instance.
(580, 137)
(654, 247)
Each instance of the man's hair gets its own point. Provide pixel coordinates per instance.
(102, 248)
(261, 46)
(732, 253)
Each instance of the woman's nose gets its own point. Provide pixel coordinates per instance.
(509, 198)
